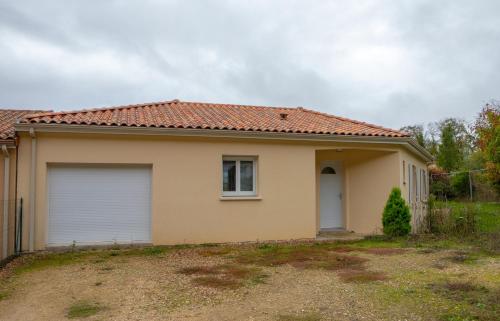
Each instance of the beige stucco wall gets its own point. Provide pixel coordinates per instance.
(418, 204)
(186, 183)
(411, 159)
(11, 201)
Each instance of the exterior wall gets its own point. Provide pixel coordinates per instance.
(186, 185)
(415, 192)
(187, 178)
(23, 184)
(369, 176)
(11, 201)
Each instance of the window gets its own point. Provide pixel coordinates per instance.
(328, 170)
(239, 176)
(414, 183)
(424, 185)
(410, 196)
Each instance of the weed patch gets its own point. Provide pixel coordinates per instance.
(48, 260)
(83, 309)
(385, 251)
(300, 256)
(225, 276)
(370, 250)
(462, 257)
(459, 290)
(134, 251)
(42, 261)
(217, 282)
(214, 251)
(154, 250)
(351, 268)
(3, 295)
(480, 302)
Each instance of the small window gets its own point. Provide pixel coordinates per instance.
(328, 170)
(238, 176)
(424, 185)
(404, 172)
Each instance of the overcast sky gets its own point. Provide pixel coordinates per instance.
(387, 62)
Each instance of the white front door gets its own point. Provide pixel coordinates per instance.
(331, 195)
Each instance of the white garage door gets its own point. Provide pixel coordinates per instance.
(99, 205)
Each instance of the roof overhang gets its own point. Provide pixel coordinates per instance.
(9, 142)
(408, 142)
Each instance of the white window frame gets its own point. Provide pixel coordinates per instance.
(410, 198)
(238, 192)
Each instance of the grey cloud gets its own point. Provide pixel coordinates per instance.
(391, 63)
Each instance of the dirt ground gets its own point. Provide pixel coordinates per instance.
(415, 285)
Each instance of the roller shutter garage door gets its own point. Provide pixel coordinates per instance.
(99, 205)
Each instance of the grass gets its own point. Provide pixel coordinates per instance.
(473, 223)
(463, 257)
(326, 256)
(214, 251)
(3, 295)
(54, 259)
(83, 309)
(371, 250)
(488, 214)
(478, 302)
(432, 295)
(49, 260)
(300, 256)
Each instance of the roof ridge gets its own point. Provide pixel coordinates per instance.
(23, 110)
(89, 110)
(353, 121)
(86, 110)
(239, 105)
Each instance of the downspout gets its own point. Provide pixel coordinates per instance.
(32, 191)
(6, 177)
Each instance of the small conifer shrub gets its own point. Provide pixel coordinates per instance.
(396, 217)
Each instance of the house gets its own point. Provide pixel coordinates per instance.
(186, 172)
(8, 161)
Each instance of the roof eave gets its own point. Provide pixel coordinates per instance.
(221, 133)
(8, 141)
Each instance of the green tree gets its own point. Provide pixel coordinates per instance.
(417, 132)
(450, 157)
(396, 217)
(433, 133)
(487, 128)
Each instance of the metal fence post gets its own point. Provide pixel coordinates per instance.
(470, 186)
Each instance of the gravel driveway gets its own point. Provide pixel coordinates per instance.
(178, 284)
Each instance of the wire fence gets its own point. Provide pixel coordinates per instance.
(469, 185)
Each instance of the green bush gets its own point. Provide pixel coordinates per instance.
(460, 184)
(396, 217)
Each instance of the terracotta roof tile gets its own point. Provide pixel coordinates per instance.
(196, 115)
(8, 118)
